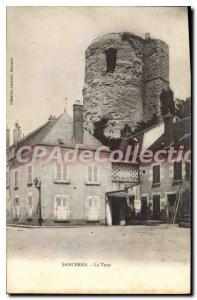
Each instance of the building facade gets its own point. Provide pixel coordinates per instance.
(53, 192)
(124, 77)
(165, 183)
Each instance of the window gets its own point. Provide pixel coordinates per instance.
(111, 59)
(92, 175)
(29, 174)
(61, 172)
(61, 207)
(93, 208)
(58, 201)
(16, 179)
(30, 205)
(187, 171)
(156, 174)
(92, 201)
(177, 170)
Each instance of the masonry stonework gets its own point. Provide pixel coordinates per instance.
(156, 75)
(126, 86)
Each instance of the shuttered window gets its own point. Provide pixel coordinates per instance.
(30, 205)
(156, 174)
(93, 208)
(92, 175)
(95, 174)
(187, 171)
(58, 201)
(29, 174)
(61, 207)
(177, 170)
(61, 172)
(58, 171)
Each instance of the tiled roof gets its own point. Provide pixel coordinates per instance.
(182, 128)
(55, 129)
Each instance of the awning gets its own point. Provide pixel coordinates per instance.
(119, 195)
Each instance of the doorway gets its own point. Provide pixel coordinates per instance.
(156, 206)
(144, 207)
(171, 202)
(115, 212)
(118, 211)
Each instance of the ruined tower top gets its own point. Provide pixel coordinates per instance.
(124, 75)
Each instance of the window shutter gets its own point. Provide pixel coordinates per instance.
(58, 172)
(87, 206)
(95, 174)
(95, 202)
(65, 202)
(158, 174)
(29, 176)
(187, 171)
(65, 175)
(89, 174)
(178, 170)
(58, 201)
(30, 205)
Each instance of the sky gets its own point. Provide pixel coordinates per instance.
(48, 46)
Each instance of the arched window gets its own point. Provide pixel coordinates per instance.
(111, 59)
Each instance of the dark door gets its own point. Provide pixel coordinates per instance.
(171, 202)
(144, 207)
(156, 206)
(115, 212)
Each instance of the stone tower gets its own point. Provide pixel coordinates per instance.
(124, 75)
(156, 75)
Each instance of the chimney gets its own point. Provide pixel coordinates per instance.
(147, 36)
(78, 122)
(17, 133)
(7, 137)
(168, 128)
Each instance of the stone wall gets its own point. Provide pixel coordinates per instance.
(130, 93)
(118, 94)
(156, 75)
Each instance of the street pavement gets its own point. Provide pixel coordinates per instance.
(149, 259)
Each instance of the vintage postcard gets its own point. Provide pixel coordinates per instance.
(98, 182)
